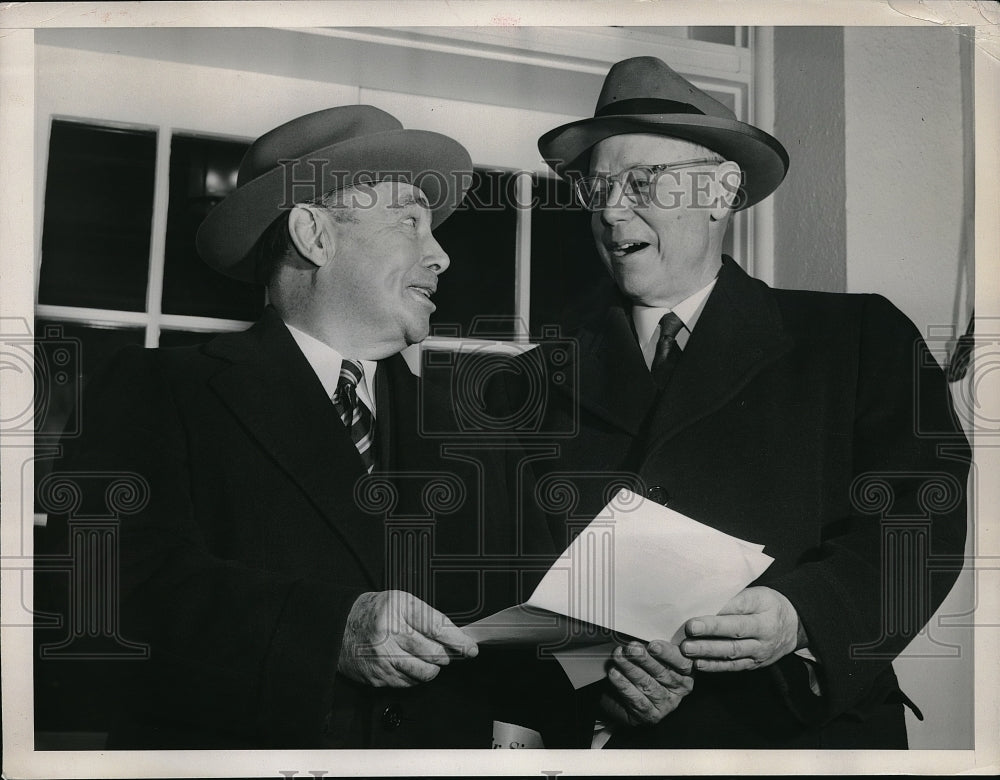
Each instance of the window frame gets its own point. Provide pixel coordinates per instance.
(715, 67)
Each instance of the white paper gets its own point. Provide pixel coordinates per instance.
(638, 569)
(529, 625)
(585, 665)
(510, 736)
(642, 569)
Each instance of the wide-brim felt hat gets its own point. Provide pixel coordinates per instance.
(645, 95)
(301, 160)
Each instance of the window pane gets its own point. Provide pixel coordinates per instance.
(564, 263)
(202, 173)
(480, 240)
(98, 214)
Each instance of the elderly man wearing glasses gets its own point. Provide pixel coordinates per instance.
(815, 424)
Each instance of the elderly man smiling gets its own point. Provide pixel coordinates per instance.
(768, 414)
(266, 572)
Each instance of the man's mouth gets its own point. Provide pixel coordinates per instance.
(625, 248)
(423, 293)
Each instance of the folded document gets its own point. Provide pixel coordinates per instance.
(640, 570)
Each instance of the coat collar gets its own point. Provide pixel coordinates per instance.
(739, 332)
(613, 381)
(270, 387)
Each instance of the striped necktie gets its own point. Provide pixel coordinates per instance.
(353, 413)
(668, 351)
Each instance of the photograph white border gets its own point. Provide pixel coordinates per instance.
(17, 240)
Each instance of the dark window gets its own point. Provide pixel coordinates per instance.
(202, 173)
(184, 338)
(564, 264)
(480, 240)
(98, 214)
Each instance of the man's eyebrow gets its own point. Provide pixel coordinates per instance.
(409, 199)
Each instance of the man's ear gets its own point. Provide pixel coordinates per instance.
(727, 189)
(310, 234)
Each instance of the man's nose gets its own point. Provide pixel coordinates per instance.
(435, 257)
(617, 207)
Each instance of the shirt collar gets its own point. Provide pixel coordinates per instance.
(647, 320)
(325, 362)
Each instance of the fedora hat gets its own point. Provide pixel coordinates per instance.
(307, 157)
(645, 95)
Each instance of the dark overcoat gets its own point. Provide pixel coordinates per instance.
(251, 530)
(815, 424)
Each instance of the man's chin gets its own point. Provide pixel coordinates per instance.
(632, 286)
(417, 332)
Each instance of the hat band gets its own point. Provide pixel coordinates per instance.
(647, 106)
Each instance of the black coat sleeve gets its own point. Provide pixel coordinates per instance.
(883, 569)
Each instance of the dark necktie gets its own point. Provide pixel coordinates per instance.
(353, 412)
(668, 351)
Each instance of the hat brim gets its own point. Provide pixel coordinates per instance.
(438, 165)
(764, 161)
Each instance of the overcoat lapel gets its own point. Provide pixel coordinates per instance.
(738, 334)
(270, 387)
(396, 399)
(614, 382)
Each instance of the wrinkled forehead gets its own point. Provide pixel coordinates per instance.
(387, 193)
(623, 151)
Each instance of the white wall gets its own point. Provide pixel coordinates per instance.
(904, 167)
(809, 245)
(905, 212)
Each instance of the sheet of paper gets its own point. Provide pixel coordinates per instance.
(529, 625)
(585, 665)
(642, 569)
(638, 569)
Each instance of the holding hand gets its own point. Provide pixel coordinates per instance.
(755, 628)
(393, 639)
(647, 682)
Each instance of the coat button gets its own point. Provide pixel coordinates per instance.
(658, 494)
(391, 718)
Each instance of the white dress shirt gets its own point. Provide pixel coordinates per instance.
(647, 321)
(325, 361)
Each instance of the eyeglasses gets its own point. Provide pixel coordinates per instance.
(636, 183)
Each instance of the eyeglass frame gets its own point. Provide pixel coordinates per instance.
(620, 180)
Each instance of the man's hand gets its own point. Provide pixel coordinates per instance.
(647, 683)
(393, 639)
(755, 628)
